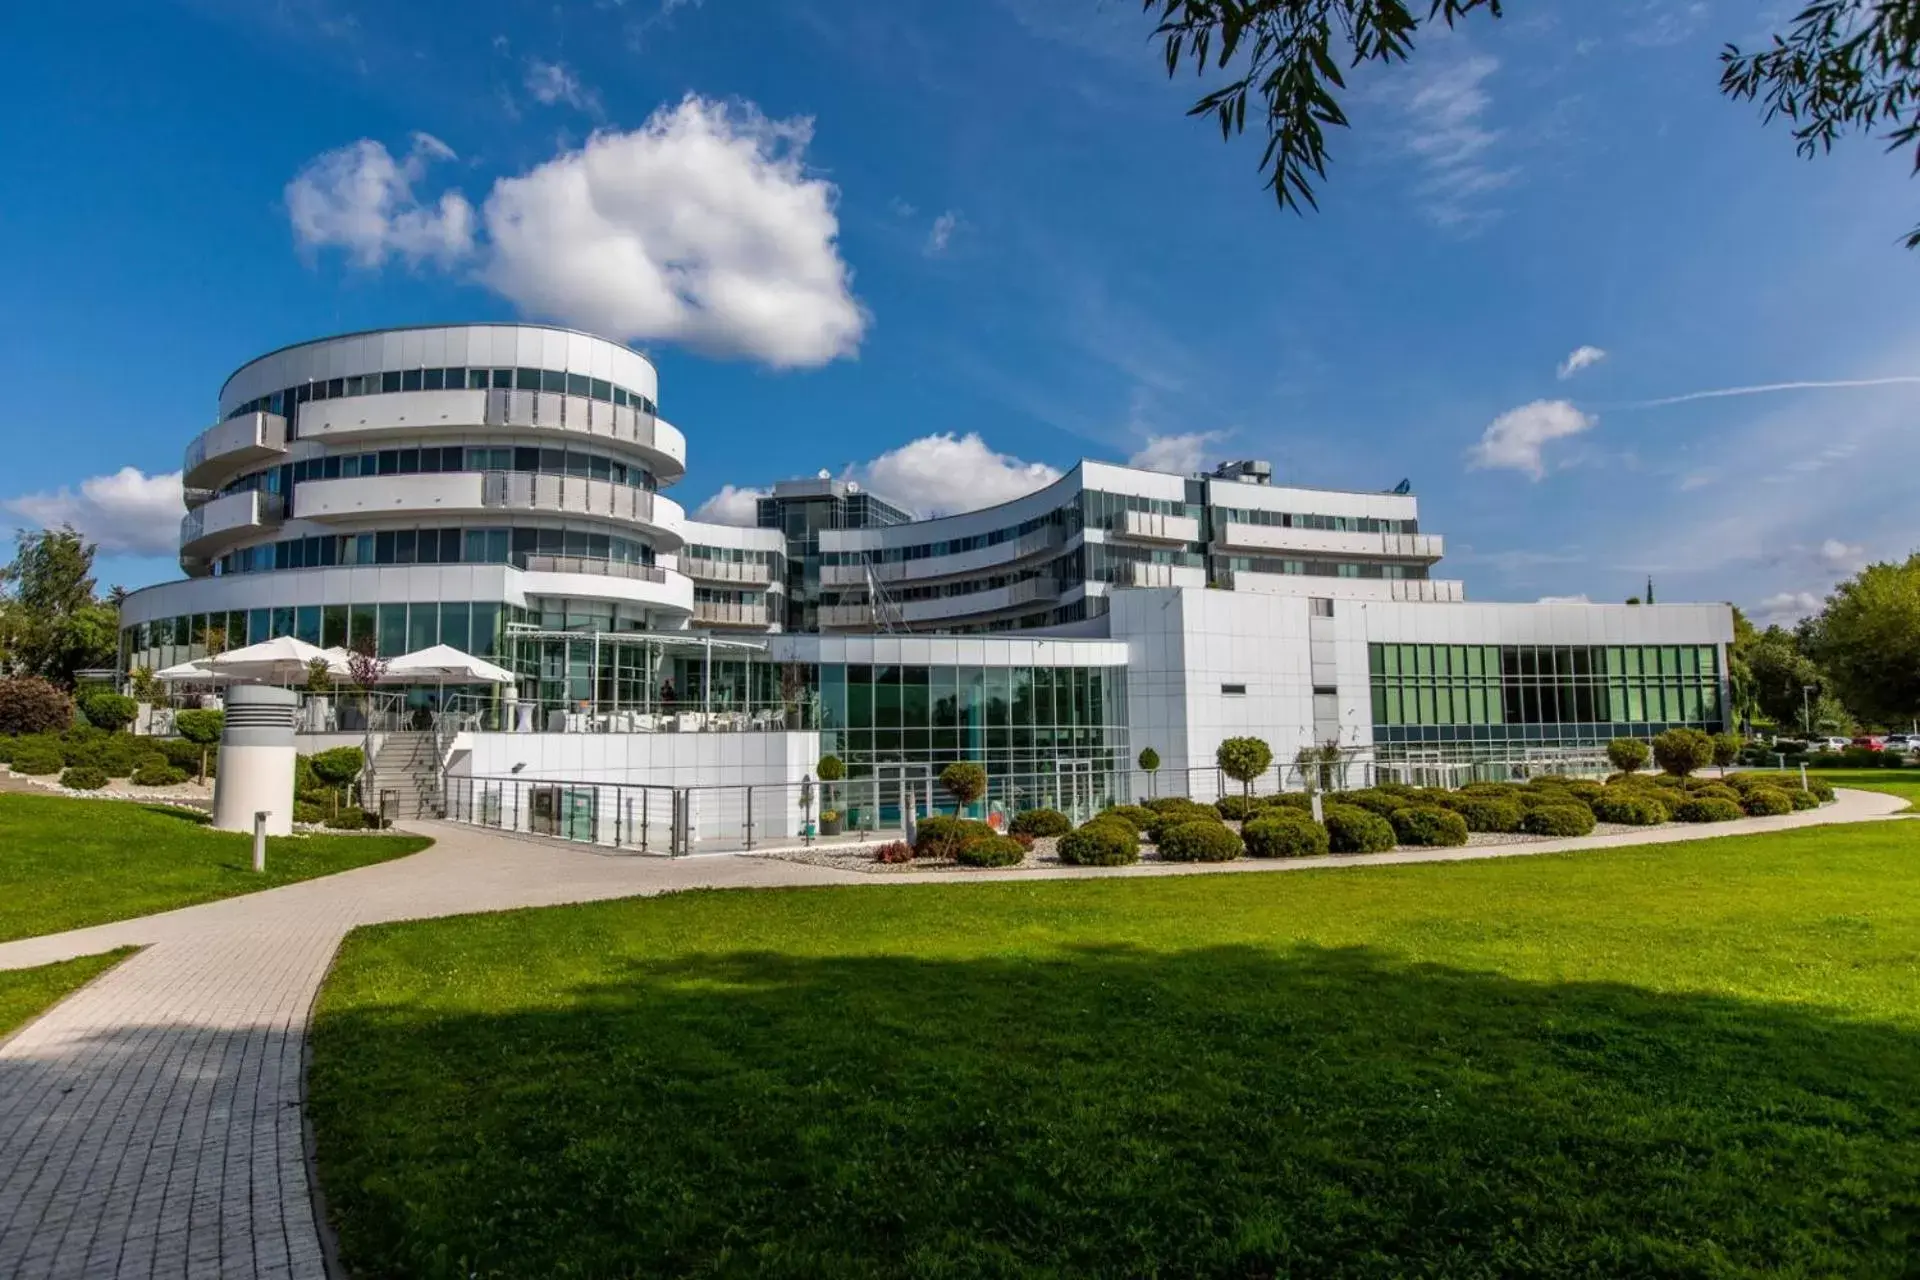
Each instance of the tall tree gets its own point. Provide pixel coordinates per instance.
(1845, 66)
(1868, 640)
(1782, 676)
(53, 624)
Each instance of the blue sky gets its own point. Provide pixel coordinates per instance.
(894, 225)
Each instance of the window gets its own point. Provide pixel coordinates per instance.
(410, 380)
(1322, 608)
(1237, 691)
(578, 384)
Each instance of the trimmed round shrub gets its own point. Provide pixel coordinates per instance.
(1488, 813)
(1670, 782)
(38, 756)
(158, 773)
(29, 704)
(109, 711)
(1288, 802)
(1285, 834)
(1428, 826)
(1167, 804)
(1766, 802)
(1628, 755)
(1134, 815)
(1200, 842)
(1820, 787)
(1681, 751)
(1558, 820)
(185, 755)
(1165, 822)
(83, 777)
(941, 836)
(1355, 830)
(1632, 807)
(337, 767)
(1714, 793)
(1373, 800)
(1098, 844)
(1585, 790)
(1041, 822)
(1237, 808)
(1708, 809)
(992, 851)
(309, 815)
(1393, 788)
(1801, 799)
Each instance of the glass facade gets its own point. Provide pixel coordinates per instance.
(472, 626)
(554, 381)
(1561, 695)
(455, 545)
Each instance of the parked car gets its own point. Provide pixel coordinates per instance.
(1870, 741)
(1831, 744)
(1904, 743)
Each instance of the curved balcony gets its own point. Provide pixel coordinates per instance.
(1147, 526)
(232, 446)
(1045, 542)
(584, 578)
(488, 493)
(224, 524)
(975, 606)
(358, 419)
(745, 573)
(1232, 535)
(726, 613)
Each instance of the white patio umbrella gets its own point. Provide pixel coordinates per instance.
(281, 660)
(187, 671)
(444, 664)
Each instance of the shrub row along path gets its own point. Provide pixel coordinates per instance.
(151, 1123)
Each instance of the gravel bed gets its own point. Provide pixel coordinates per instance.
(187, 793)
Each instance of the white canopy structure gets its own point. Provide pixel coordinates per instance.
(187, 672)
(444, 664)
(281, 660)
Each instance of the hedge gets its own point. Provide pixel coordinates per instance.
(158, 773)
(941, 836)
(1632, 807)
(1709, 809)
(1802, 799)
(1237, 808)
(1423, 825)
(1165, 822)
(83, 777)
(1766, 802)
(1041, 822)
(1354, 830)
(38, 755)
(1136, 816)
(1199, 841)
(1488, 813)
(1558, 820)
(1283, 833)
(1375, 800)
(992, 851)
(1098, 844)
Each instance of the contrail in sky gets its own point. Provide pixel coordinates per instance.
(1765, 388)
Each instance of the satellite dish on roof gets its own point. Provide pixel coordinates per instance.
(1405, 486)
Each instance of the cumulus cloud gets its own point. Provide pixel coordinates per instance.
(360, 199)
(1844, 557)
(555, 82)
(126, 513)
(1514, 440)
(1182, 454)
(941, 233)
(1786, 608)
(1579, 599)
(702, 226)
(733, 504)
(1583, 357)
(944, 473)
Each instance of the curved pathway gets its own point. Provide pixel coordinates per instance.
(151, 1123)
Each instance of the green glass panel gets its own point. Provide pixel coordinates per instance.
(393, 630)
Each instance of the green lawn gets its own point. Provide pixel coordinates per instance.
(1904, 783)
(25, 993)
(67, 863)
(1695, 1059)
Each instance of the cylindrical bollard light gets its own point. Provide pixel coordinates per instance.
(256, 760)
(260, 840)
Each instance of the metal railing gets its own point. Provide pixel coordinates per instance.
(586, 564)
(350, 711)
(542, 492)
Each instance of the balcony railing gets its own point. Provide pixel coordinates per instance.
(724, 613)
(585, 564)
(235, 515)
(1148, 526)
(226, 446)
(702, 569)
(577, 495)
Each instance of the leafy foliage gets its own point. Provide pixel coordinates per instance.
(1681, 751)
(1558, 820)
(1199, 841)
(158, 773)
(830, 769)
(1635, 807)
(1098, 844)
(965, 782)
(1706, 809)
(1442, 828)
(29, 704)
(992, 851)
(1766, 802)
(1628, 755)
(1726, 749)
(1136, 816)
(1354, 830)
(1488, 813)
(83, 777)
(38, 756)
(1285, 833)
(1149, 759)
(1868, 639)
(109, 711)
(1243, 759)
(337, 766)
(894, 853)
(941, 836)
(1042, 822)
(51, 623)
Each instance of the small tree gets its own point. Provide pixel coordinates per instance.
(1629, 755)
(966, 783)
(1150, 764)
(145, 688)
(338, 768)
(366, 668)
(1243, 760)
(1317, 763)
(203, 729)
(1726, 749)
(29, 704)
(1682, 751)
(830, 770)
(109, 711)
(319, 676)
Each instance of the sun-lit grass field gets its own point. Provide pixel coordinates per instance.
(1684, 1059)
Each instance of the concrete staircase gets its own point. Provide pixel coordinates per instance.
(408, 765)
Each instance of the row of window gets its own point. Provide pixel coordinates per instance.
(1694, 701)
(859, 697)
(580, 463)
(946, 547)
(1224, 565)
(728, 595)
(1517, 661)
(731, 555)
(472, 627)
(432, 546)
(1307, 520)
(554, 381)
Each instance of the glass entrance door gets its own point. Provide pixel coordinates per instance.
(898, 790)
(1077, 792)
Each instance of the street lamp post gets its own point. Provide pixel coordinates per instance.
(1806, 707)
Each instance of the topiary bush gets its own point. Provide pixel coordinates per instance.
(1098, 844)
(1488, 813)
(1170, 804)
(1351, 829)
(1285, 833)
(38, 756)
(1801, 799)
(941, 836)
(1200, 841)
(1163, 822)
(1243, 760)
(1631, 807)
(158, 773)
(1042, 822)
(1432, 827)
(29, 704)
(965, 782)
(1681, 751)
(1709, 809)
(1237, 808)
(337, 767)
(308, 815)
(1373, 800)
(109, 711)
(83, 777)
(1766, 802)
(992, 851)
(1628, 755)
(1288, 802)
(1715, 792)
(1558, 820)
(1134, 815)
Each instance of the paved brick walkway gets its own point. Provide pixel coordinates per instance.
(150, 1125)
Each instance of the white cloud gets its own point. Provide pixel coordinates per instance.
(901, 208)
(1698, 479)
(1842, 556)
(555, 82)
(1514, 440)
(1579, 599)
(1181, 454)
(944, 473)
(126, 513)
(1447, 135)
(702, 227)
(360, 199)
(1786, 608)
(1768, 388)
(1582, 357)
(941, 233)
(733, 504)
